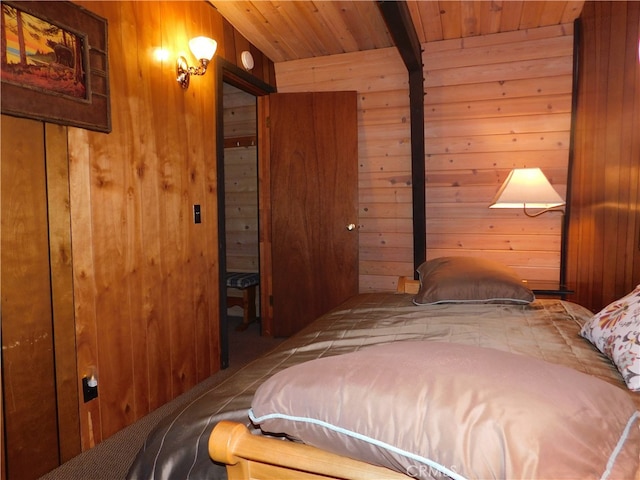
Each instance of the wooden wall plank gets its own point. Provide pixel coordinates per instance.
(60, 253)
(501, 89)
(498, 53)
(206, 234)
(545, 159)
(149, 321)
(540, 68)
(84, 287)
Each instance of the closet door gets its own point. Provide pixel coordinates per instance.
(314, 205)
(29, 394)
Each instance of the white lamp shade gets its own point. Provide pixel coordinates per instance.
(203, 48)
(526, 188)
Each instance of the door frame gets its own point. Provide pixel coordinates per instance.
(226, 71)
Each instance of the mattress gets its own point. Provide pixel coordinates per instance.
(544, 329)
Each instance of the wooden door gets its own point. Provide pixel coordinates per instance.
(314, 200)
(29, 402)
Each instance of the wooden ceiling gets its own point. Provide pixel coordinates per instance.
(292, 30)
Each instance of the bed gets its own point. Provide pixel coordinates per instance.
(255, 424)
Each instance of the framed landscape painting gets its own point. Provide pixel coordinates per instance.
(54, 64)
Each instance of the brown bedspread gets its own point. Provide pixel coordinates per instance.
(545, 329)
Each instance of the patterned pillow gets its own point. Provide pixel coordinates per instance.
(615, 331)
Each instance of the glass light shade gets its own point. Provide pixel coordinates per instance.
(526, 188)
(203, 48)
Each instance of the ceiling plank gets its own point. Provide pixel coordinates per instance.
(491, 13)
(510, 18)
(450, 14)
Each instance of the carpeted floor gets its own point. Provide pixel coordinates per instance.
(110, 460)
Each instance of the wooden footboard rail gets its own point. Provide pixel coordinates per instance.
(250, 456)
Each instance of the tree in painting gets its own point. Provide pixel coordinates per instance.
(39, 54)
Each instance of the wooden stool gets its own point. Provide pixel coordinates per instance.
(247, 282)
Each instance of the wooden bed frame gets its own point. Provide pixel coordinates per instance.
(408, 285)
(250, 456)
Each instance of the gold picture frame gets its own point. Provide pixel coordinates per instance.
(54, 64)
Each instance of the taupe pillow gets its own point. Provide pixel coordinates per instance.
(429, 409)
(469, 280)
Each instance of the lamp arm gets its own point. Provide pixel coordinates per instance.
(200, 69)
(184, 71)
(550, 209)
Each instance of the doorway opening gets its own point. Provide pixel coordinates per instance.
(241, 206)
(238, 199)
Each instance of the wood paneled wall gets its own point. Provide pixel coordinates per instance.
(492, 103)
(145, 276)
(604, 231)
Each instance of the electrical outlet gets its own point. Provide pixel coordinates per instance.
(89, 388)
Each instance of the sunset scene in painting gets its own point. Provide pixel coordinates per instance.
(38, 54)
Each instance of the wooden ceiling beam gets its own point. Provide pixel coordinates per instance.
(398, 19)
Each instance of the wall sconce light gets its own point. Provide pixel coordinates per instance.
(528, 188)
(203, 48)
